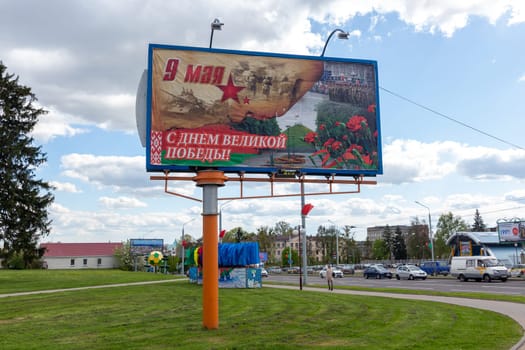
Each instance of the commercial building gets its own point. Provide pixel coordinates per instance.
(487, 243)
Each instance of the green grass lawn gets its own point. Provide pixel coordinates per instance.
(13, 281)
(169, 316)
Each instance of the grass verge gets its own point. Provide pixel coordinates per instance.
(166, 316)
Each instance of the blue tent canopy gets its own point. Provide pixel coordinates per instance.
(238, 254)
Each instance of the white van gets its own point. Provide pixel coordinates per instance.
(486, 268)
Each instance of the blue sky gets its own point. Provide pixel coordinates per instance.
(463, 59)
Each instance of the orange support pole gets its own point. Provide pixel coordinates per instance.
(210, 272)
(210, 180)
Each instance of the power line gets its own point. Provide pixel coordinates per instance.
(451, 119)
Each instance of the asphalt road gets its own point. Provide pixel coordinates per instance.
(513, 286)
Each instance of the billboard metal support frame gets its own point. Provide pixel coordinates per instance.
(302, 179)
(210, 180)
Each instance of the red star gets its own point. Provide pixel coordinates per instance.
(246, 100)
(230, 91)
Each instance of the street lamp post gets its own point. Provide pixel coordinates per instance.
(220, 213)
(516, 247)
(181, 244)
(302, 266)
(215, 25)
(341, 34)
(429, 229)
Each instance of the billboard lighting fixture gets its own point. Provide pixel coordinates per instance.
(215, 25)
(341, 34)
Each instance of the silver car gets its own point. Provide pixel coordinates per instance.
(410, 272)
(336, 272)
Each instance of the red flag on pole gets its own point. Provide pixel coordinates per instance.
(306, 209)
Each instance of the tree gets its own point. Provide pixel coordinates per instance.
(400, 249)
(327, 240)
(25, 199)
(265, 237)
(286, 260)
(237, 235)
(448, 224)
(479, 225)
(418, 240)
(124, 256)
(380, 250)
(282, 228)
(389, 241)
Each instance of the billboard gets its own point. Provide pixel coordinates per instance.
(261, 113)
(511, 231)
(144, 246)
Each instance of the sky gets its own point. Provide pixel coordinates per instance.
(452, 91)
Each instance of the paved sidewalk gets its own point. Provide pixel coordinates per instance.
(47, 291)
(515, 311)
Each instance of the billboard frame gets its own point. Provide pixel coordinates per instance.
(272, 169)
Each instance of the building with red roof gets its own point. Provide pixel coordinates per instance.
(81, 255)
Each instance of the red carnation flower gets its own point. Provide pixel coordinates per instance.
(355, 123)
(310, 137)
(328, 142)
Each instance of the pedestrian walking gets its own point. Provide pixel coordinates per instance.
(330, 277)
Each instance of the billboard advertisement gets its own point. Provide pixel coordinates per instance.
(144, 246)
(261, 113)
(511, 231)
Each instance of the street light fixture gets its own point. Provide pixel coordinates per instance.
(429, 229)
(341, 34)
(182, 245)
(215, 25)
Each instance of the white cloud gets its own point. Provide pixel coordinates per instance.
(119, 173)
(448, 16)
(112, 171)
(407, 161)
(55, 123)
(522, 79)
(65, 187)
(121, 202)
(28, 60)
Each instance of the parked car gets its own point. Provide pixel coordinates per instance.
(275, 270)
(410, 272)
(376, 271)
(336, 272)
(518, 270)
(435, 268)
(347, 269)
(264, 273)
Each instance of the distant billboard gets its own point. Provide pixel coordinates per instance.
(511, 231)
(144, 246)
(261, 113)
